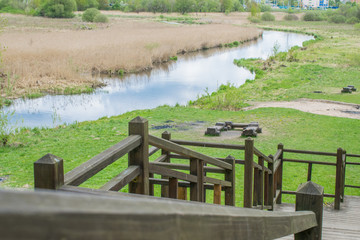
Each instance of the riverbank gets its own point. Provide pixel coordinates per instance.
(61, 55)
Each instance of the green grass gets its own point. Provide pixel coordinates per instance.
(327, 64)
(79, 142)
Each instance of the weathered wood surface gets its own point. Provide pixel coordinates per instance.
(187, 167)
(172, 173)
(308, 161)
(340, 224)
(49, 215)
(88, 169)
(121, 180)
(209, 144)
(172, 147)
(309, 152)
(49, 172)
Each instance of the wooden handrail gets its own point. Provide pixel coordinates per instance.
(117, 216)
(173, 147)
(277, 154)
(123, 179)
(209, 144)
(153, 150)
(260, 154)
(308, 161)
(309, 152)
(88, 169)
(187, 167)
(153, 168)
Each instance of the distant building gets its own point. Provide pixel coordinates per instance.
(314, 4)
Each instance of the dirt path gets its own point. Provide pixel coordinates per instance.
(322, 107)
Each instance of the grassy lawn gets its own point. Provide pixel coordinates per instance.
(325, 65)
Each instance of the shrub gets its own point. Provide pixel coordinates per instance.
(89, 14)
(57, 9)
(265, 8)
(352, 20)
(254, 19)
(337, 19)
(101, 18)
(291, 17)
(312, 16)
(267, 17)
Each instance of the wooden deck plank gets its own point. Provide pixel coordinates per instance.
(343, 224)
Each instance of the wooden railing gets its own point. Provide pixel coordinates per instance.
(139, 176)
(98, 214)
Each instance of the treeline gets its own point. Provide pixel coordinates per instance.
(65, 8)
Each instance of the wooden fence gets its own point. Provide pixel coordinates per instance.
(263, 179)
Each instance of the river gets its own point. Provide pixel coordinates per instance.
(175, 83)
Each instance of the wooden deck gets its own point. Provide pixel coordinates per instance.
(343, 224)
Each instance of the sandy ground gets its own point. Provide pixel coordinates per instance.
(322, 107)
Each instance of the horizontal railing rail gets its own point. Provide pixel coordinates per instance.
(97, 215)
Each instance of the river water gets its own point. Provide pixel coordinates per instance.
(178, 82)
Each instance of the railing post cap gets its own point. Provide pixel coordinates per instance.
(249, 139)
(310, 188)
(49, 159)
(230, 157)
(139, 119)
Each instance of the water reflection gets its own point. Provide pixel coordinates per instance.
(177, 82)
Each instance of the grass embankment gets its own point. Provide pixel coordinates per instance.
(79, 142)
(327, 64)
(52, 55)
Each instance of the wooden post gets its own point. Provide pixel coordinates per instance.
(280, 176)
(140, 156)
(309, 172)
(248, 172)
(182, 193)
(338, 178)
(310, 196)
(343, 177)
(48, 172)
(165, 189)
(196, 189)
(261, 183)
(217, 194)
(256, 187)
(271, 187)
(230, 176)
(173, 188)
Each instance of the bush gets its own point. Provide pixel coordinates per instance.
(291, 17)
(352, 20)
(89, 14)
(101, 18)
(57, 9)
(265, 8)
(312, 16)
(254, 19)
(267, 17)
(337, 19)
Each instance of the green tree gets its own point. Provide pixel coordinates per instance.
(58, 9)
(185, 6)
(226, 5)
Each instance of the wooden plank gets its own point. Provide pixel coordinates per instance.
(88, 169)
(230, 176)
(338, 179)
(176, 156)
(165, 182)
(140, 156)
(162, 158)
(307, 161)
(217, 194)
(353, 155)
(352, 163)
(74, 216)
(153, 150)
(170, 146)
(280, 169)
(352, 186)
(248, 172)
(121, 180)
(277, 154)
(309, 152)
(182, 193)
(187, 167)
(260, 154)
(209, 144)
(217, 181)
(172, 173)
(173, 188)
(49, 172)
(309, 172)
(197, 188)
(165, 189)
(293, 193)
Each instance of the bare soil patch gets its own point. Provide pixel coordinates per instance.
(322, 107)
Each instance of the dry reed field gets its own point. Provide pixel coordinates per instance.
(52, 54)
